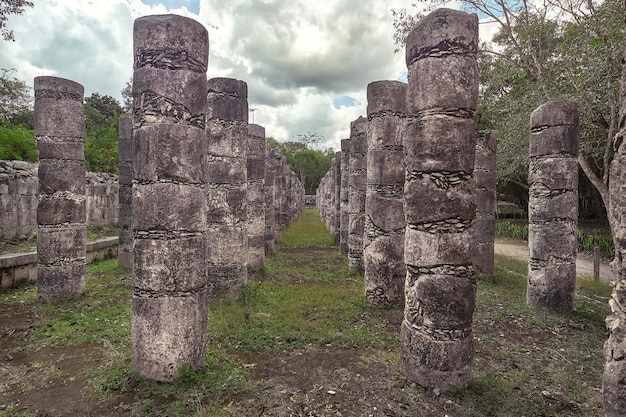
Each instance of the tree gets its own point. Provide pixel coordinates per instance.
(127, 95)
(310, 165)
(7, 8)
(101, 127)
(555, 49)
(16, 102)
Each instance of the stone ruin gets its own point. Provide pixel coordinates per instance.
(169, 195)
(61, 209)
(125, 180)
(383, 238)
(269, 190)
(436, 346)
(357, 167)
(553, 206)
(255, 208)
(485, 223)
(227, 134)
(18, 198)
(344, 217)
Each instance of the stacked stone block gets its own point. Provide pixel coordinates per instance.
(357, 178)
(61, 209)
(344, 192)
(256, 196)
(436, 346)
(227, 132)
(614, 376)
(269, 190)
(125, 178)
(337, 197)
(383, 240)
(553, 206)
(18, 198)
(169, 195)
(485, 223)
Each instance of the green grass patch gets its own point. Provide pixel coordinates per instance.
(306, 230)
(527, 361)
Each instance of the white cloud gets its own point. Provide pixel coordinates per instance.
(296, 56)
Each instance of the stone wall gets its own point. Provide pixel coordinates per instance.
(18, 198)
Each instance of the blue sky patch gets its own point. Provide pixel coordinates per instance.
(192, 5)
(346, 101)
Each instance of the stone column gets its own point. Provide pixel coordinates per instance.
(337, 198)
(485, 223)
(61, 210)
(169, 199)
(357, 177)
(269, 189)
(125, 151)
(436, 347)
(278, 195)
(256, 196)
(613, 386)
(553, 206)
(227, 131)
(344, 217)
(383, 240)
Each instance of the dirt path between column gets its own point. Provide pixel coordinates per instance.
(584, 263)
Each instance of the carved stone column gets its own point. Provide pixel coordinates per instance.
(61, 211)
(256, 196)
(383, 240)
(125, 180)
(357, 178)
(485, 223)
(169, 195)
(227, 132)
(553, 206)
(436, 346)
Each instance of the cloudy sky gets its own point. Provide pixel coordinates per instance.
(307, 63)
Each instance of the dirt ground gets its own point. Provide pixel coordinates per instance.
(584, 263)
(320, 380)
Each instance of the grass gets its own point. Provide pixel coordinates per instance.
(306, 302)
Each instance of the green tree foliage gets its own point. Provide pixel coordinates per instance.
(560, 49)
(310, 165)
(9, 7)
(17, 143)
(101, 127)
(17, 139)
(16, 101)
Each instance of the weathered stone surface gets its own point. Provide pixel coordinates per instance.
(269, 191)
(57, 175)
(256, 197)
(61, 210)
(344, 217)
(173, 266)
(59, 111)
(171, 331)
(552, 229)
(169, 152)
(125, 153)
(383, 237)
(168, 206)
(486, 203)
(169, 195)
(227, 190)
(440, 200)
(357, 187)
(56, 282)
